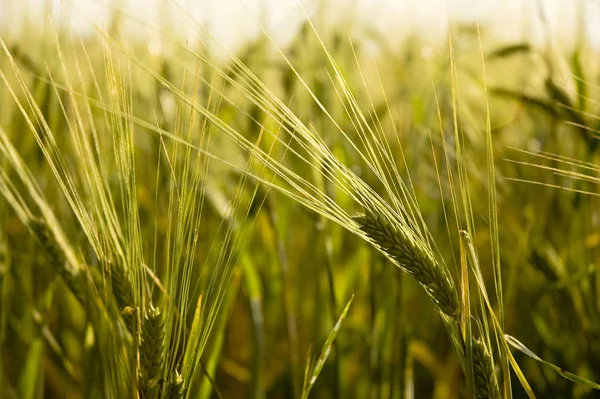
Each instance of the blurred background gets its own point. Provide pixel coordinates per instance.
(234, 21)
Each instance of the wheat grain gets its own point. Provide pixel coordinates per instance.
(413, 257)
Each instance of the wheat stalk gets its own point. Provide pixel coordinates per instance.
(486, 384)
(413, 257)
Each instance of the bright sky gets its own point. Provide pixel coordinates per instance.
(231, 21)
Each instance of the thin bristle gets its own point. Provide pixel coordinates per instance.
(413, 257)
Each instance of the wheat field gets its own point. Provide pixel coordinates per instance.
(339, 216)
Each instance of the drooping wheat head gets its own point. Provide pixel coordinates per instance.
(413, 257)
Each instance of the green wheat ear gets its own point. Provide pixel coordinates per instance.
(486, 384)
(413, 257)
(151, 352)
(121, 287)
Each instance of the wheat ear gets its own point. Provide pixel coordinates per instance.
(123, 293)
(151, 353)
(486, 384)
(413, 257)
(121, 287)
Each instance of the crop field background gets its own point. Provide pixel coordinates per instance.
(333, 214)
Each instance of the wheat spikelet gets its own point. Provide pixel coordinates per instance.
(486, 385)
(413, 257)
(151, 353)
(175, 387)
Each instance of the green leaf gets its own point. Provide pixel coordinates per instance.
(314, 369)
(28, 382)
(515, 343)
